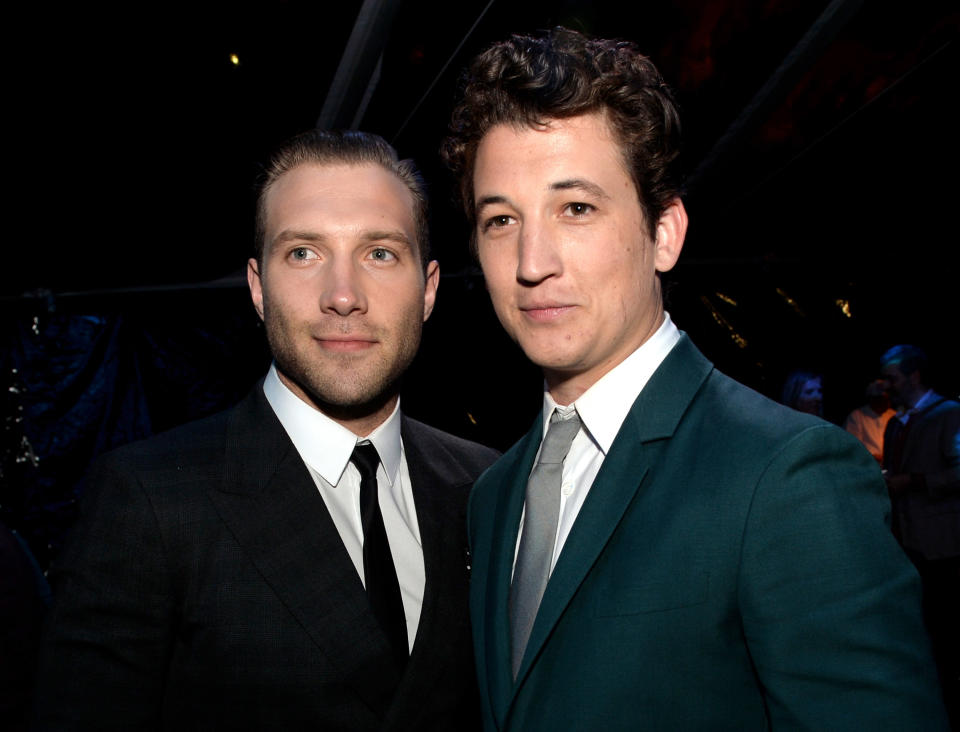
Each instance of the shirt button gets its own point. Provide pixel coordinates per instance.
(567, 489)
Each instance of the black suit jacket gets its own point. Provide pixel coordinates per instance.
(206, 587)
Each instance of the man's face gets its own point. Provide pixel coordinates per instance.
(341, 291)
(897, 384)
(562, 242)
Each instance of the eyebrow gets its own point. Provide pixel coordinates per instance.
(395, 235)
(296, 235)
(571, 184)
(579, 184)
(489, 201)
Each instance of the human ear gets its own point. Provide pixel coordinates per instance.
(255, 285)
(432, 281)
(671, 231)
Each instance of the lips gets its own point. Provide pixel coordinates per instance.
(545, 312)
(345, 343)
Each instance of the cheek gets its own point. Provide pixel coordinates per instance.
(286, 305)
(498, 275)
(500, 300)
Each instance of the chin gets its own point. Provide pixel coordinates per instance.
(356, 394)
(548, 358)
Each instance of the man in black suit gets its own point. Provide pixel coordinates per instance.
(298, 561)
(921, 458)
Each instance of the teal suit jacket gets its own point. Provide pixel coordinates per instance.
(732, 568)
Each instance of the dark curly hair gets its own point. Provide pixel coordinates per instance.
(342, 147)
(529, 80)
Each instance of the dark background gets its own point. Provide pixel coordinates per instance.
(821, 150)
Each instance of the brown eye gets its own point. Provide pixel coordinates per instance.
(578, 208)
(497, 222)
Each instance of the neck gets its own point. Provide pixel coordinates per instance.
(566, 390)
(361, 419)
(567, 386)
(360, 424)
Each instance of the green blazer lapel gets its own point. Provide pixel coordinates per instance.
(278, 516)
(490, 589)
(654, 417)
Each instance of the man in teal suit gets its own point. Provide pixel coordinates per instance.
(665, 549)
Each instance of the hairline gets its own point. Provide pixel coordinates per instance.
(343, 147)
(335, 162)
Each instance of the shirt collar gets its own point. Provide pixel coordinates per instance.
(604, 406)
(923, 401)
(325, 445)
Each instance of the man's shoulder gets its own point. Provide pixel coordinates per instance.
(743, 424)
(939, 419)
(688, 392)
(860, 414)
(436, 444)
(191, 445)
(942, 406)
(728, 398)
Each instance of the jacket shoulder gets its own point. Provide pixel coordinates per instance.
(944, 406)
(471, 456)
(196, 450)
(734, 409)
(190, 444)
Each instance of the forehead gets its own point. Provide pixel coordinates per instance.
(364, 196)
(580, 147)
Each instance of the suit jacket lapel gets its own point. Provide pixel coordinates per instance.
(653, 417)
(435, 476)
(510, 476)
(273, 507)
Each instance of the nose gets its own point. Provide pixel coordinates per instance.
(342, 290)
(538, 256)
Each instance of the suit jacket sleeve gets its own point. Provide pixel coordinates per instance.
(820, 593)
(110, 631)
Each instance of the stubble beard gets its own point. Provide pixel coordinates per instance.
(344, 386)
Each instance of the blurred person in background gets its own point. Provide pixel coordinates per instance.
(868, 422)
(803, 391)
(921, 458)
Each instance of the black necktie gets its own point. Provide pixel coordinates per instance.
(379, 573)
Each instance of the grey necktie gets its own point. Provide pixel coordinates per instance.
(539, 532)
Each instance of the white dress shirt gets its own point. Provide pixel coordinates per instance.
(326, 447)
(602, 409)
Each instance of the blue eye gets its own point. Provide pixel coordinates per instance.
(383, 255)
(302, 254)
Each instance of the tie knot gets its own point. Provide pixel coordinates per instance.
(559, 437)
(366, 458)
